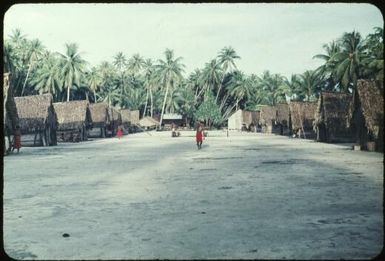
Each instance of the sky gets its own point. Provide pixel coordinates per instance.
(282, 38)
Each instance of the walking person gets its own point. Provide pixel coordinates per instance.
(17, 139)
(199, 137)
(119, 133)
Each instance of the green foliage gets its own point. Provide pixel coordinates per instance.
(211, 93)
(208, 110)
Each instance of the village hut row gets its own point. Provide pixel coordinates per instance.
(335, 117)
(44, 123)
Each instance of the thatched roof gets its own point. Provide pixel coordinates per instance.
(283, 113)
(334, 109)
(148, 122)
(302, 114)
(72, 114)
(172, 116)
(99, 113)
(114, 115)
(130, 116)
(372, 105)
(33, 111)
(268, 114)
(250, 117)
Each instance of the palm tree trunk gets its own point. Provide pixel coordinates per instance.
(94, 96)
(145, 106)
(152, 103)
(26, 78)
(163, 106)
(68, 90)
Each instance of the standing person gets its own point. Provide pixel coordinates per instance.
(17, 139)
(119, 133)
(199, 137)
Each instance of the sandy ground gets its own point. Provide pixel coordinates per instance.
(247, 196)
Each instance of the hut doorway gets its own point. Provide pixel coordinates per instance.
(321, 132)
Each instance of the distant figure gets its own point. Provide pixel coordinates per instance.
(119, 133)
(17, 139)
(199, 137)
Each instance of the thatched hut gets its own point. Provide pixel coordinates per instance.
(115, 121)
(74, 118)
(302, 117)
(37, 120)
(282, 123)
(368, 115)
(100, 120)
(10, 117)
(243, 120)
(332, 117)
(268, 116)
(172, 119)
(130, 120)
(148, 123)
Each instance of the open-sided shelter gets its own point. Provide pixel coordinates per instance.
(74, 118)
(332, 117)
(37, 120)
(100, 119)
(148, 123)
(368, 114)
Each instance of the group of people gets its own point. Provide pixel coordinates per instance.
(199, 136)
(16, 143)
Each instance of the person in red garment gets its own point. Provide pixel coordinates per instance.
(119, 133)
(199, 137)
(17, 139)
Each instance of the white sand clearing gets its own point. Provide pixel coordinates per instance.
(250, 196)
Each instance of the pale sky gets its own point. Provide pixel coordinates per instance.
(281, 38)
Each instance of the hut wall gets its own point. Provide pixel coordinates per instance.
(368, 114)
(74, 120)
(302, 116)
(37, 118)
(333, 117)
(234, 122)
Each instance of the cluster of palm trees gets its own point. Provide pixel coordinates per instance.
(210, 93)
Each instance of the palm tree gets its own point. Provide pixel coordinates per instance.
(257, 95)
(149, 82)
(328, 69)
(373, 63)
(210, 76)
(46, 79)
(349, 59)
(94, 80)
(110, 95)
(169, 73)
(239, 89)
(310, 84)
(35, 50)
(120, 61)
(272, 86)
(135, 64)
(72, 67)
(226, 59)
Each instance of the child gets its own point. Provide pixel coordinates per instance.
(119, 133)
(199, 137)
(17, 139)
